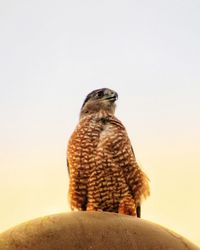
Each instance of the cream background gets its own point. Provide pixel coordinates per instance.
(53, 53)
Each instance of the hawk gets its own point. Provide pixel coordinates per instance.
(104, 174)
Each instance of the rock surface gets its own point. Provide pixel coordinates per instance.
(91, 231)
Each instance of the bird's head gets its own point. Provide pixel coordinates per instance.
(99, 100)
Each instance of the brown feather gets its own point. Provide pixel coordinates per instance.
(104, 174)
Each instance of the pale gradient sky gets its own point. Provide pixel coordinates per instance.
(52, 53)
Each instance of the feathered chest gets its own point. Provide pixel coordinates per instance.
(96, 131)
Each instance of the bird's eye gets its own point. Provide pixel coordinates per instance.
(100, 94)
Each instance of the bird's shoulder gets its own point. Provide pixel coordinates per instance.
(109, 119)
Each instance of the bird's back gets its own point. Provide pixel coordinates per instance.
(99, 155)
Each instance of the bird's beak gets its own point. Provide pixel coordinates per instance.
(112, 97)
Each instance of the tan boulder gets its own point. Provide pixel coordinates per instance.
(91, 231)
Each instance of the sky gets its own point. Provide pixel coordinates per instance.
(53, 53)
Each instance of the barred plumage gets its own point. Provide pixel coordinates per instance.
(104, 174)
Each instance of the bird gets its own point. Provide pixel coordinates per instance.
(103, 172)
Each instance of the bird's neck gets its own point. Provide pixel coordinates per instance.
(96, 115)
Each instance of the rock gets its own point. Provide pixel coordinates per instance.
(91, 231)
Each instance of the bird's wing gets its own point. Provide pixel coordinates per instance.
(124, 156)
(77, 172)
(68, 167)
